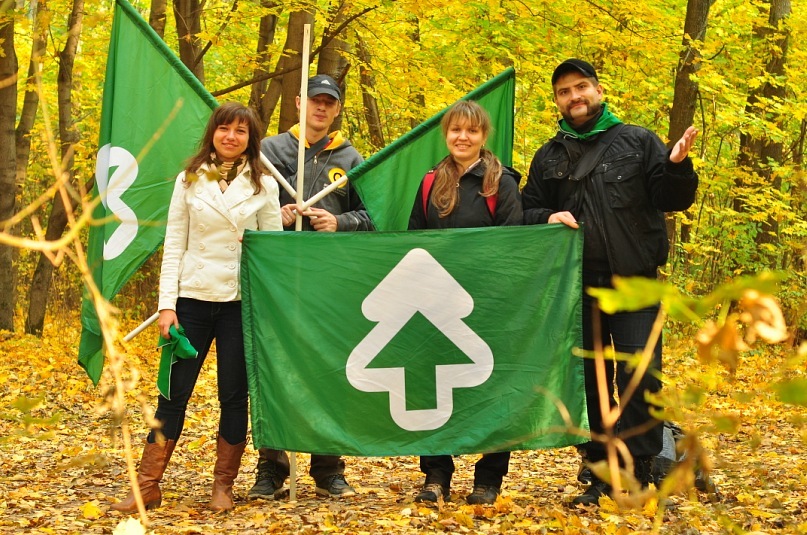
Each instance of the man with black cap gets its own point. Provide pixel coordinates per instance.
(618, 180)
(328, 156)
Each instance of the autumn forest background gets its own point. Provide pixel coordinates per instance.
(733, 68)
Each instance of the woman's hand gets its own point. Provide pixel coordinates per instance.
(167, 318)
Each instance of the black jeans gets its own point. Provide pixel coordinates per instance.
(203, 322)
(628, 332)
(489, 470)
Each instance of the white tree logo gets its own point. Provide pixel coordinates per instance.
(111, 189)
(418, 283)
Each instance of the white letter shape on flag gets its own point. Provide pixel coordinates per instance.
(418, 283)
(111, 189)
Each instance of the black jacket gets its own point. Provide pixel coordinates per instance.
(472, 209)
(621, 203)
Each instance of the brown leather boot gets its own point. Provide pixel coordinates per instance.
(152, 466)
(228, 461)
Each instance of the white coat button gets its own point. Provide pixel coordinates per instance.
(233, 229)
(199, 265)
(197, 284)
(198, 205)
(231, 265)
(201, 246)
(231, 247)
(231, 284)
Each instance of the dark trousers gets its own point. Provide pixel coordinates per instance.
(203, 322)
(489, 470)
(628, 332)
(322, 466)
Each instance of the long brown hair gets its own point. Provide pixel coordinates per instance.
(444, 194)
(225, 114)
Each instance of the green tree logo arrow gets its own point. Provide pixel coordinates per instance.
(418, 284)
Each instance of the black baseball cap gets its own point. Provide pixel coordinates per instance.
(322, 84)
(574, 65)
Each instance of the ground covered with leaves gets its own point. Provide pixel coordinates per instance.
(62, 463)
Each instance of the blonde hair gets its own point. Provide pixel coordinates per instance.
(445, 195)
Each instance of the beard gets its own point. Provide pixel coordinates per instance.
(592, 109)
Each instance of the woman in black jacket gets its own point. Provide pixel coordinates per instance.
(468, 188)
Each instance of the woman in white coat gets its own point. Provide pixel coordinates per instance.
(223, 191)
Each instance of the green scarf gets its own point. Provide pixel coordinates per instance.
(178, 347)
(606, 121)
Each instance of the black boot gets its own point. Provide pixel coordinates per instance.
(643, 471)
(269, 483)
(593, 493)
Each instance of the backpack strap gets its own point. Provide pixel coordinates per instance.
(491, 201)
(589, 160)
(428, 182)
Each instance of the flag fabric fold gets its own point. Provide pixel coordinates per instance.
(422, 342)
(388, 181)
(153, 114)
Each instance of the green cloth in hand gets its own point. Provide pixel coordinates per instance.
(178, 347)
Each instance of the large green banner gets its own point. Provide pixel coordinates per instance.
(388, 181)
(153, 115)
(404, 343)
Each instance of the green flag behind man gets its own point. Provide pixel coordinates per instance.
(388, 181)
(154, 112)
(404, 343)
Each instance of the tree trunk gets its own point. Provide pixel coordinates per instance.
(685, 97)
(290, 83)
(31, 100)
(187, 14)
(367, 82)
(416, 96)
(332, 54)
(62, 204)
(758, 153)
(682, 113)
(8, 161)
(266, 34)
(157, 17)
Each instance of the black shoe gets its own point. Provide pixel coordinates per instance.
(432, 492)
(335, 486)
(268, 484)
(593, 493)
(483, 494)
(584, 474)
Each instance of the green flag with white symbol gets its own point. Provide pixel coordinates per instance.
(154, 113)
(414, 343)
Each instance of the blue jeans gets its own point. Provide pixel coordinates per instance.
(203, 322)
(628, 332)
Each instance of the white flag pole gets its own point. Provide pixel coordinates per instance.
(277, 176)
(303, 111)
(298, 225)
(324, 191)
(140, 328)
